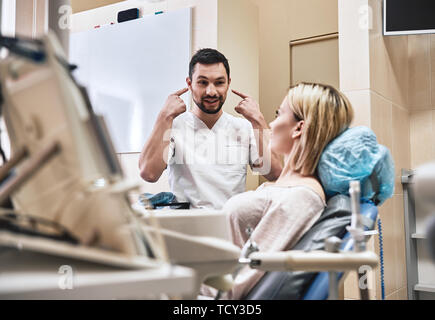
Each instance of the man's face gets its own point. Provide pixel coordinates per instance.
(209, 86)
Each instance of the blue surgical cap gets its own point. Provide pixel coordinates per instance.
(356, 155)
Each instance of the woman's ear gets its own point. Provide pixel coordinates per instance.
(298, 130)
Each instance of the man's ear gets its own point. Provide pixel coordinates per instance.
(189, 83)
(297, 133)
(229, 81)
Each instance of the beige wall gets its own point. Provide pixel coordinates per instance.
(238, 40)
(83, 5)
(309, 18)
(274, 54)
(281, 21)
(315, 60)
(390, 121)
(374, 75)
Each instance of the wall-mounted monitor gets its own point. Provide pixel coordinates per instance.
(403, 17)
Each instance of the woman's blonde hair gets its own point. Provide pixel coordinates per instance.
(326, 113)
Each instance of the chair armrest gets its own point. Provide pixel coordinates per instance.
(312, 261)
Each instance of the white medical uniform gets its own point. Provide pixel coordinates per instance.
(208, 166)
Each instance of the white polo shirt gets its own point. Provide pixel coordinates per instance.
(208, 166)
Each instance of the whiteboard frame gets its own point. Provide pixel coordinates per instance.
(129, 133)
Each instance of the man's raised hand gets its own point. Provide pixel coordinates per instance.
(174, 105)
(248, 107)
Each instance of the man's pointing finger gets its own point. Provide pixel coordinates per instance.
(181, 92)
(241, 95)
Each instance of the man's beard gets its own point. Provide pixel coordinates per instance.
(203, 109)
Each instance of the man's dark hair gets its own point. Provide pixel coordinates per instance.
(208, 56)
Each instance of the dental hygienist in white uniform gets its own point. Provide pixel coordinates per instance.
(205, 149)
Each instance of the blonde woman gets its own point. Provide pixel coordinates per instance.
(279, 213)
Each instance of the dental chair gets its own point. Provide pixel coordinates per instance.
(353, 156)
(303, 285)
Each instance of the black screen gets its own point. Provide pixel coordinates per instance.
(409, 15)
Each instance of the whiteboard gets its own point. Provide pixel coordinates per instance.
(130, 68)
